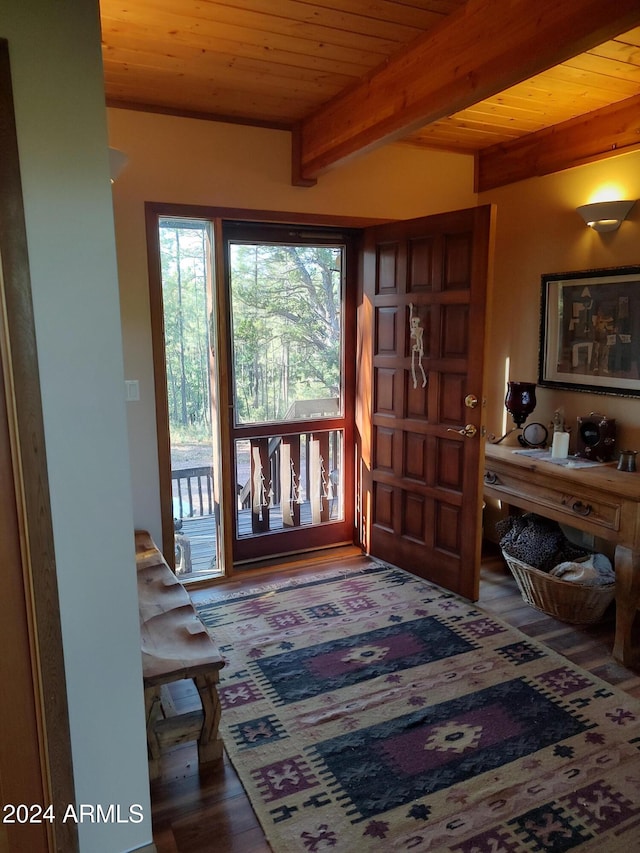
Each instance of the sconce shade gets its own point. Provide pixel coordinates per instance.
(605, 215)
(117, 161)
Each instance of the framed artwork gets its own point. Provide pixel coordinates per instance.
(590, 331)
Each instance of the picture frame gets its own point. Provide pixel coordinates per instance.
(590, 331)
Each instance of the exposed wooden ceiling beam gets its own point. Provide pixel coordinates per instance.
(473, 54)
(603, 133)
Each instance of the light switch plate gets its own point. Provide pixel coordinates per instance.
(132, 390)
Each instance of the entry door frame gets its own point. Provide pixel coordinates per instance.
(35, 743)
(154, 211)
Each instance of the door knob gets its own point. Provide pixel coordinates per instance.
(471, 401)
(468, 431)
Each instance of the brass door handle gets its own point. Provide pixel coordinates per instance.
(468, 431)
(471, 401)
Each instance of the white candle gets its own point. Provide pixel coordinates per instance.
(560, 445)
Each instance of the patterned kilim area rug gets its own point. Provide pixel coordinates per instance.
(368, 710)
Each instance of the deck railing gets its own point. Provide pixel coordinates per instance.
(192, 488)
(298, 410)
(288, 471)
(192, 491)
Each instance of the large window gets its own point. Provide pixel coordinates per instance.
(287, 308)
(185, 265)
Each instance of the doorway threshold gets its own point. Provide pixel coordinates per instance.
(299, 559)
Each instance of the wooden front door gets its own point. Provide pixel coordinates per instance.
(421, 329)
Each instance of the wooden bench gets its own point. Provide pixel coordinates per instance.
(175, 646)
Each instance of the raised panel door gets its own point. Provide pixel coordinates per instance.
(421, 483)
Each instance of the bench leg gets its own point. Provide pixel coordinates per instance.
(210, 746)
(153, 712)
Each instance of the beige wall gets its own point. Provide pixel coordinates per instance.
(198, 162)
(538, 231)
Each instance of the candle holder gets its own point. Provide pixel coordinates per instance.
(520, 402)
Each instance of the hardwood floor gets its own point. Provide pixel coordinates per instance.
(200, 812)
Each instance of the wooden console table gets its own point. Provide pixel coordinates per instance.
(600, 500)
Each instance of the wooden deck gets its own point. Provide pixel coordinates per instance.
(201, 533)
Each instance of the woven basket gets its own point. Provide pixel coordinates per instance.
(565, 600)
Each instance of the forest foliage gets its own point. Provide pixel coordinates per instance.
(183, 255)
(286, 316)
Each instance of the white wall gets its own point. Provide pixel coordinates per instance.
(61, 124)
(189, 161)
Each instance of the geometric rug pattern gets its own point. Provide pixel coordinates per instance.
(369, 710)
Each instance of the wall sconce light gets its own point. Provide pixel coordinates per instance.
(605, 215)
(117, 161)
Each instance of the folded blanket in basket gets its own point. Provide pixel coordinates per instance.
(595, 570)
(537, 541)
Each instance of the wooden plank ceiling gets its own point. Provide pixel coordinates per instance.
(529, 88)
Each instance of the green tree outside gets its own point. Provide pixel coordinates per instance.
(286, 316)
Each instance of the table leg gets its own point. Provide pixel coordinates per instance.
(627, 564)
(210, 745)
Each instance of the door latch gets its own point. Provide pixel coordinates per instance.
(468, 431)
